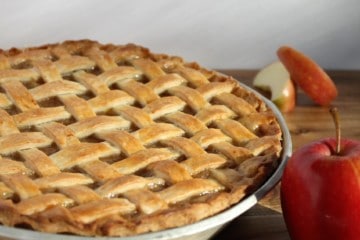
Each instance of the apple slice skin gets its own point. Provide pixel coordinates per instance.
(320, 191)
(308, 75)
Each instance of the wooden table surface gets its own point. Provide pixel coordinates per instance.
(306, 123)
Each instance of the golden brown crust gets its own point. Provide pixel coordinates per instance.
(114, 140)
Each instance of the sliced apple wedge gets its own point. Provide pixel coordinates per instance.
(308, 75)
(275, 79)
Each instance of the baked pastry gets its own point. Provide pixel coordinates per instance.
(116, 141)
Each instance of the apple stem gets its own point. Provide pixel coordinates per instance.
(335, 116)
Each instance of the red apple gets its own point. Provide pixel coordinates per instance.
(275, 79)
(320, 191)
(308, 75)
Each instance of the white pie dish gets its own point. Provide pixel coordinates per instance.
(200, 230)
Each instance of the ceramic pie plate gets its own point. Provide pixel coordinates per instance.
(203, 229)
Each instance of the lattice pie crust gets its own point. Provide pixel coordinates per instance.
(115, 140)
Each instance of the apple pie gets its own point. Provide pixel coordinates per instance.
(114, 140)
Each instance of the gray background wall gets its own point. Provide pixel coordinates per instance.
(218, 34)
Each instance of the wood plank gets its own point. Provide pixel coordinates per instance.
(271, 227)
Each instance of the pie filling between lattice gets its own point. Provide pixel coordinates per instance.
(115, 140)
